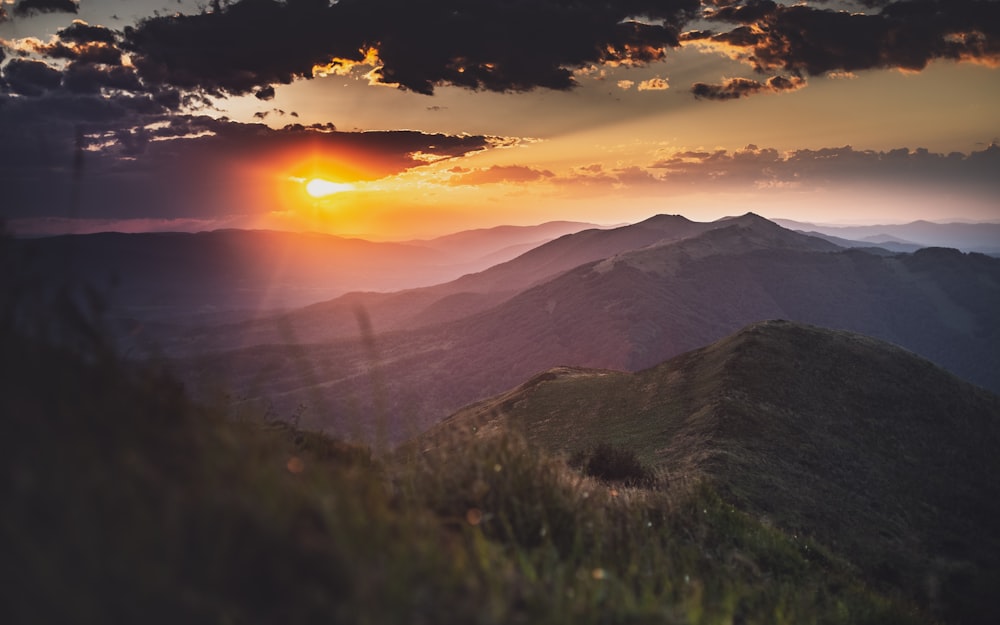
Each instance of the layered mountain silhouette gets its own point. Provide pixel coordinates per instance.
(469, 294)
(499, 243)
(627, 311)
(874, 451)
(968, 237)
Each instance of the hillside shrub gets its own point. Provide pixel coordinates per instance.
(614, 464)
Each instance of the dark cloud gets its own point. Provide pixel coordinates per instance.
(249, 46)
(31, 78)
(88, 59)
(32, 7)
(905, 34)
(84, 52)
(82, 32)
(262, 115)
(265, 93)
(496, 45)
(755, 167)
(81, 77)
(746, 13)
(734, 88)
(517, 46)
(241, 46)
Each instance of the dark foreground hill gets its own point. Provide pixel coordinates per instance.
(875, 452)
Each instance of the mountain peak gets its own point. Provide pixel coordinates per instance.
(748, 219)
(663, 222)
(666, 217)
(730, 236)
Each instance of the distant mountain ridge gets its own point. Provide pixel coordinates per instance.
(479, 243)
(865, 446)
(629, 312)
(472, 293)
(968, 237)
(171, 276)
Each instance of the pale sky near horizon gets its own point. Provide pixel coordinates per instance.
(422, 117)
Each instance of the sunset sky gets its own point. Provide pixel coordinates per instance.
(398, 119)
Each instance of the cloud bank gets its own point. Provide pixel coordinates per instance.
(249, 46)
(495, 45)
(801, 40)
(755, 168)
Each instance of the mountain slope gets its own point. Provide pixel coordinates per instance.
(865, 446)
(499, 241)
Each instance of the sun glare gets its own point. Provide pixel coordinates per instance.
(317, 187)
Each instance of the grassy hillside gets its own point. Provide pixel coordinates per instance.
(124, 501)
(877, 453)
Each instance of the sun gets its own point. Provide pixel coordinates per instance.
(318, 187)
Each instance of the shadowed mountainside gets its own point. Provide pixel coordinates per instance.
(872, 450)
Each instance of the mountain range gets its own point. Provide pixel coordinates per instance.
(629, 311)
(415, 308)
(908, 237)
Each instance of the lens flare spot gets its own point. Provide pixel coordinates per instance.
(295, 465)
